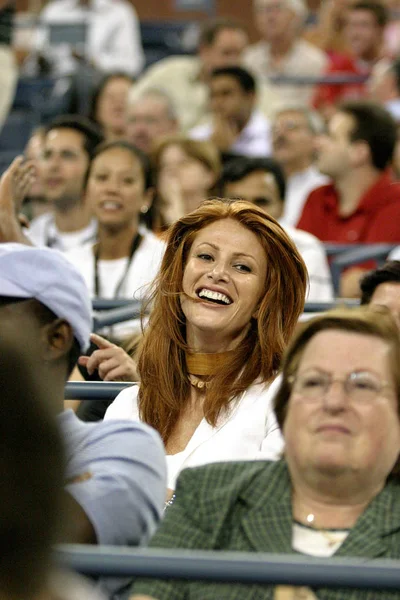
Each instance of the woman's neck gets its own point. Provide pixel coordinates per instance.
(330, 503)
(192, 200)
(76, 218)
(212, 343)
(115, 243)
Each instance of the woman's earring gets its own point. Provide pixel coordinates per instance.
(144, 209)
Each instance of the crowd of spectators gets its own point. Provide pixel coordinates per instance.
(215, 189)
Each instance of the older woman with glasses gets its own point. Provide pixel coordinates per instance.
(337, 489)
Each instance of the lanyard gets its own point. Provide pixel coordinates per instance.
(134, 246)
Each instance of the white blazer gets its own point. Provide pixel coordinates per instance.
(246, 431)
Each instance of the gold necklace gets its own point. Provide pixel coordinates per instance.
(197, 383)
(331, 538)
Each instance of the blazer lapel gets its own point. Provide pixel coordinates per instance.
(380, 519)
(268, 521)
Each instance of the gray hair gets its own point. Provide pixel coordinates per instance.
(314, 120)
(159, 94)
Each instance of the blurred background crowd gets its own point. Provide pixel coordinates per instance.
(127, 117)
(204, 91)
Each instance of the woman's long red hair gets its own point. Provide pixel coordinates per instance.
(165, 388)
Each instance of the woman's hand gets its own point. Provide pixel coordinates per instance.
(111, 361)
(14, 185)
(172, 205)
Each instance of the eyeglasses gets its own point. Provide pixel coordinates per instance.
(359, 386)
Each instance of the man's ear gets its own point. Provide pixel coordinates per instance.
(58, 338)
(360, 153)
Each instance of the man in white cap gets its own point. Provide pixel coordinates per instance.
(115, 473)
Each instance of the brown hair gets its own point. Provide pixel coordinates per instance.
(212, 27)
(378, 9)
(201, 150)
(164, 386)
(364, 320)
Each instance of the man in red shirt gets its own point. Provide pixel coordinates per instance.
(363, 32)
(362, 205)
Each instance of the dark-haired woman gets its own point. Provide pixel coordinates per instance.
(126, 256)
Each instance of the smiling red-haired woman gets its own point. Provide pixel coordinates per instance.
(226, 301)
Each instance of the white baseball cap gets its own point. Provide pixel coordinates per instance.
(47, 276)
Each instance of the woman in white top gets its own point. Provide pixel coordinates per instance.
(228, 296)
(126, 257)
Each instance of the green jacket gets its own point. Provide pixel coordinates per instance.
(246, 506)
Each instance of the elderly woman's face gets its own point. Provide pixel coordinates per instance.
(223, 280)
(339, 428)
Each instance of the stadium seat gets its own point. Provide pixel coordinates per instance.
(161, 39)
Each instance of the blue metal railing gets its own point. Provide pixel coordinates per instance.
(114, 316)
(107, 304)
(359, 254)
(233, 567)
(316, 307)
(94, 390)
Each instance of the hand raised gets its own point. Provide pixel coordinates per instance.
(224, 133)
(15, 183)
(111, 361)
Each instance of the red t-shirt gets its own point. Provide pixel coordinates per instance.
(375, 220)
(330, 94)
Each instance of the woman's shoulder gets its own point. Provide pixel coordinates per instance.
(125, 405)
(224, 482)
(263, 390)
(84, 252)
(150, 240)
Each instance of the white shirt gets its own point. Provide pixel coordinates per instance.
(113, 37)
(395, 254)
(393, 106)
(112, 274)
(253, 140)
(248, 431)
(44, 232)
(314, 255)
(303, 59)
(298, 188)
(314, 542)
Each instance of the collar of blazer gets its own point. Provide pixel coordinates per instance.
(267, 522)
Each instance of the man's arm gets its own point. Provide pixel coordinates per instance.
(117, 476)
(14, 184)
(79, 529)
(181, 527)
(350, 283)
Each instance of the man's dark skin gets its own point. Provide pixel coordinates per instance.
(49, 346)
